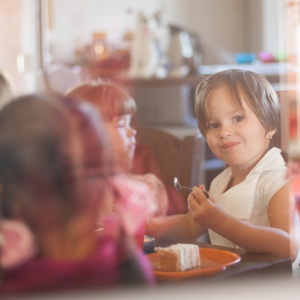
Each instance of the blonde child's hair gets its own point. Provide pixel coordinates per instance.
(111, 100)
(242, 84)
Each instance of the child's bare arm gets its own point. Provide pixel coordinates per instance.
(282, 215)
(180, 228)
(275, 239)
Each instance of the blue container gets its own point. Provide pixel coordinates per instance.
(245, 57)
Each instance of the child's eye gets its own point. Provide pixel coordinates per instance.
(120, 123)
(213, 125)
(238, 119)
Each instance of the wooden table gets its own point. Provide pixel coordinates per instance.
(252, 265)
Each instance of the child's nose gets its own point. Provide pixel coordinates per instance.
(225, 130)
(131, 131)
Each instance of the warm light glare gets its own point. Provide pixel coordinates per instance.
(99, 49)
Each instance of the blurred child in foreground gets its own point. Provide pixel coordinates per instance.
(56, 169)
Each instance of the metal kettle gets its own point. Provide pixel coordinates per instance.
(182, 52)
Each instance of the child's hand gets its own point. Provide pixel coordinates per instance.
(203, 189)
(205, 212)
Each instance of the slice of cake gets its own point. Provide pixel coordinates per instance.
(179, 257)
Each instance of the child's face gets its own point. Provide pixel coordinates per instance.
(123, 139)
(235, 136)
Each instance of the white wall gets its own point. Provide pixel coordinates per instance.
(221, 24)
(274, 24)
(224, 26)
(267, 25)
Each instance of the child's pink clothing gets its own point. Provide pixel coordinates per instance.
(104, 268)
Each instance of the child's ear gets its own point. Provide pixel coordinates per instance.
(270, 133)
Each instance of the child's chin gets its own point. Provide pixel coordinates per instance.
(127, 164)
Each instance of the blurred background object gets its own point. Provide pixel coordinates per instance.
(45, 32)
(183, 53)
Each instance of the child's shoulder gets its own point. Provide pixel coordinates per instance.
(270, 181)
(274, 174)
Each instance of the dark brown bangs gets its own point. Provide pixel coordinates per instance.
(237, 93)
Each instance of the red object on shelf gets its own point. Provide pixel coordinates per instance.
(293, 125)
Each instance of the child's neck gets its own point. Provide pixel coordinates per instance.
(237, 177)
(240, 172)
(234, 181)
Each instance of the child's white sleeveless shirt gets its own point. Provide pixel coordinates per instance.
(249, 199)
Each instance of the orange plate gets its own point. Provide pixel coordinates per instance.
(211, 261)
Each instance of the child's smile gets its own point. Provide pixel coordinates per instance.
(229, 145)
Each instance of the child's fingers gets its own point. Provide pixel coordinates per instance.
(200, 193)
(204, 193)
(202, 187)
(193, 205)
(195, 199)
